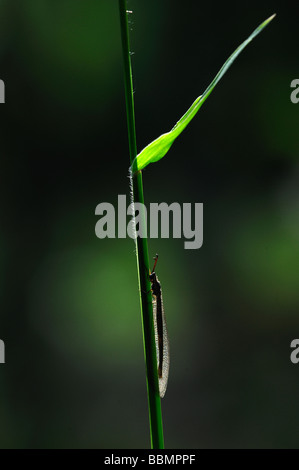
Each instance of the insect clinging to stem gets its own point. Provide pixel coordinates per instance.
(161, 334)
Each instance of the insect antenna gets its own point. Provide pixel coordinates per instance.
(156, 260)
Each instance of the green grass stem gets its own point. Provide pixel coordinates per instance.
(154, 402)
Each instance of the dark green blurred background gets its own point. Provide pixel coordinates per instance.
(74, 373)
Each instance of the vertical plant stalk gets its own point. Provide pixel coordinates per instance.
(154, 402)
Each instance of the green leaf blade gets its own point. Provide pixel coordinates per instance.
(160, 146)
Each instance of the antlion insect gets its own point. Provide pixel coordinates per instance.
(161, 335)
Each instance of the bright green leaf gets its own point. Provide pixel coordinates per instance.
(160, 146)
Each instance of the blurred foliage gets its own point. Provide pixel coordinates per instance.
(69, 313)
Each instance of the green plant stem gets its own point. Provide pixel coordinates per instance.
(154, 402)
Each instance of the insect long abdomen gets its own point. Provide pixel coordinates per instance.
(160, 333)
(162, 343)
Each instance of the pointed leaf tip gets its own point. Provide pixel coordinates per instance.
(160, 146)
